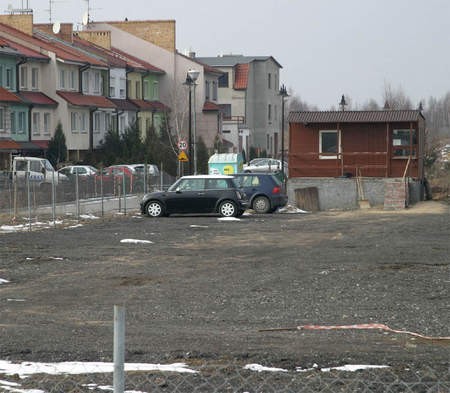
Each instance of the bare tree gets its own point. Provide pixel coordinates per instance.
(395, 98)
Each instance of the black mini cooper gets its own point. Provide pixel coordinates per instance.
(197, 194)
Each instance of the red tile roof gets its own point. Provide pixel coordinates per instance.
(41, 144)
(64, 52)
(9, 144)
(7, 96)
(134, 62)
(37, 98)
(124, 105)
(209, 106)
(151, 105)
(383, 116)
(23, 50)
(78, 99)
(240, 76)
(112, 58)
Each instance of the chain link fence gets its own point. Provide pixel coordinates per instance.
(231, 376)
(26, 201)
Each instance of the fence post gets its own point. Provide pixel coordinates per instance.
(125, 191)
(119, 349)
(53, 199)
(77, 197)
(27, 174)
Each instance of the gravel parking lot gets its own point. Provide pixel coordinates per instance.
(203, 288)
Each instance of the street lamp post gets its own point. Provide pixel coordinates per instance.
(283, 93)
(191, 78)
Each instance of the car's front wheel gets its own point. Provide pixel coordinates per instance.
(228, 209)
(261, 204)
(154, 209)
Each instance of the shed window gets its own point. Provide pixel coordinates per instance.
(329, 144)
(404, 142)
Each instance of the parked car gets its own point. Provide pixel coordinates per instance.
(83, 171)
(197, 194)
(39, 170)
(265, 165)
(264, 191)
(152, 170)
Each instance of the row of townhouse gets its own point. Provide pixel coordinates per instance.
(114, 74)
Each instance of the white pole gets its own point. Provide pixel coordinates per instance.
(195, 133)
(119, 349)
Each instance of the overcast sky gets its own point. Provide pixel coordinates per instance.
(326, 47)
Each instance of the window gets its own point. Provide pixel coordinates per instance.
(155, 95)
(329, 144)
(12, 119)
(23, 77)
(112, 87)
(1, 75)
(35, 78)
(83, 122)
(97, 122)
(404, 142)
(21, 123)
(122, 124)
(73, 121)
(223, 80)
(97, 80)
(73, 80)
(138, 89)
(62, 79)
(124, 84)
(225, 109)
(47, 123)
(36, 119)
(108, 121)
(146, 95)
(206, 90)
(269, 81)
(9, 78)
(85, 81)
(269, 112)
(214, 91)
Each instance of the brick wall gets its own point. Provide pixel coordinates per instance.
(158, 32)
(65, 31)
(23, 23)
(100, 38)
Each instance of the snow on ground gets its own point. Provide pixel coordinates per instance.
(229, 219)
(136, 241)
(3, 281)
(291, 209)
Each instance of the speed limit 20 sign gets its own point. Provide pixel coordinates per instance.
(182, 144)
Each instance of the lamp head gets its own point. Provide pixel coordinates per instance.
(193, 74)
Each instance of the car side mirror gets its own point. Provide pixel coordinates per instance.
(178, 190)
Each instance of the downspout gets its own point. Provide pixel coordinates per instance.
(31, 106)
(142, 83)
(91, 128)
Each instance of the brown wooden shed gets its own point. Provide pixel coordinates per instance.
(385, 143)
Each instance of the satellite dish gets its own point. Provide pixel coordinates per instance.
(56, 27)
(85, 18)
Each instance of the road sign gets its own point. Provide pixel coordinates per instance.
(182, 144)
(182, 156)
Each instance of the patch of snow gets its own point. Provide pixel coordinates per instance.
(88, 217)
(229, 219)
(136, 241)
(74, 226)
(26, 369)
(198, 226)
(15, 300)
(3, 281)
(352, 367)
(290, 209)
(259, 368)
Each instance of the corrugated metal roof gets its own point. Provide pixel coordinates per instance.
(383, 116)
(232, 60)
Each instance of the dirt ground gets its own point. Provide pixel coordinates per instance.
(204, 288)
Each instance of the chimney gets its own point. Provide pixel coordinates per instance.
(63, 31)
(99, 38)
(22, 22)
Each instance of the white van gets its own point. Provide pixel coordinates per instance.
(40, 170)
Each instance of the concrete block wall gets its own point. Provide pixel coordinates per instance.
(342, 193)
